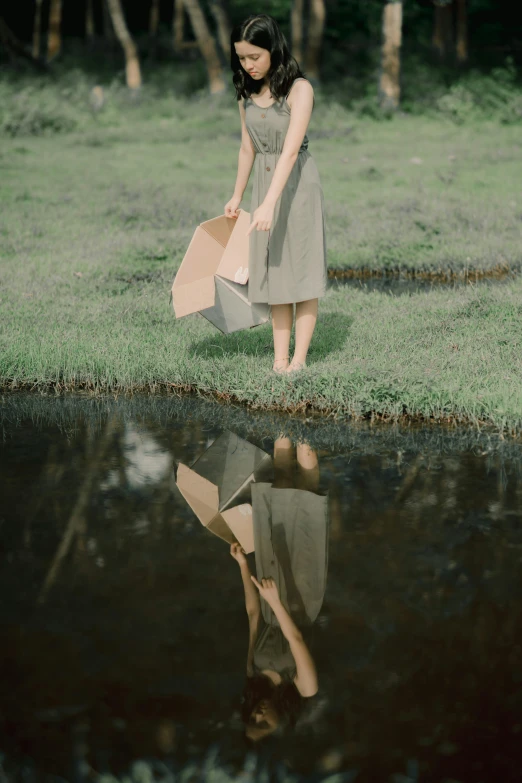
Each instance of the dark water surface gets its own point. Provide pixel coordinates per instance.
(123, 630)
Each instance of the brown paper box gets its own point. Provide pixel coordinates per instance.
(217, 487)
(213, 276)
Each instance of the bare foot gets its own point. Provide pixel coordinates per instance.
(295, 366)
(280, 365)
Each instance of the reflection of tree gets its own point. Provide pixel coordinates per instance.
(77, 522)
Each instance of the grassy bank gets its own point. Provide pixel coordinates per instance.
(445, 355)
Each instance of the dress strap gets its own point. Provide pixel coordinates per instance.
(299, 79)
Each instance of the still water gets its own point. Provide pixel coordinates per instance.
(126, 649)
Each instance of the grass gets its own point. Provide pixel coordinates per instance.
(94, 223)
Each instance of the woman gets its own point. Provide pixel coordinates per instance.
(290, 535)
(287, 231)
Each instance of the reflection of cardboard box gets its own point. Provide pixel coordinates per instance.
(217, 487)
(213, 276)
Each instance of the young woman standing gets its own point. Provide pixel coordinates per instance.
(287, 233)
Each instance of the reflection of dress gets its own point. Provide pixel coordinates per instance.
(290, 536)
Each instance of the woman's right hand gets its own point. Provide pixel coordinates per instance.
(238, 553)
(231, 209)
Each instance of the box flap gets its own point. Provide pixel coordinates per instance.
(201, 259)
(193, 288)
(219, 528)
(201, 495)
(193, 297)
(232, 311)
(239, 520)
(220, 228)
(229, 464)
(234, 261)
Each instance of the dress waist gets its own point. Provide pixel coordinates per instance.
(278, 154)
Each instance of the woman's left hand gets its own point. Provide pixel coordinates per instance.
(262, 219)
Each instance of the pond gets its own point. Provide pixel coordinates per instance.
(124, 635)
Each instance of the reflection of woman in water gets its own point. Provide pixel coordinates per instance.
(290, 536)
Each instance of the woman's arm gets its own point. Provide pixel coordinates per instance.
(306, 678)
(251, 602)
(246, 157)
(302, 105)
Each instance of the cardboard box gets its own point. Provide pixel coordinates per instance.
(213, 276)
(217, 487)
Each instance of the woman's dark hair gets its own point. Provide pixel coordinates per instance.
(263, 31)
(285, 698)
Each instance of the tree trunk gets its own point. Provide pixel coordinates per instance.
(443, 30)
(297, 25)
(178, 25)
(207, 45)
(77, 518)
(89, 21)
(37, 28)
(389, 84)
(223, 27)
(54, 38)
(132, 63)
(315, 38)
(154, 18)
(462, 31)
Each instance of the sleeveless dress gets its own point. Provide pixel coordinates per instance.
(291, 547)
(288, 263)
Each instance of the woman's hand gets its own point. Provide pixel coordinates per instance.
(238, 553)
(231, 209)
(267, 590)
(263, 218)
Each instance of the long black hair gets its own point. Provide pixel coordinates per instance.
(263, 31)
(285, 698)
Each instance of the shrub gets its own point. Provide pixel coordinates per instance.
(33, 112)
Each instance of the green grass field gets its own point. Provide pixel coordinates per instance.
(94, 223)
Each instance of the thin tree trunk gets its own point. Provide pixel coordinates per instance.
(297, 25)
(315, 37)
(108, 29)
(89, 21)
(442, 40)
(54, 37)
(178, 24)
(178, 28)
(462, 31)
(132, 63)
(223, 27)
(154, 17)
(77, 518)
(207, 45)
(389, 84)
(37, 29)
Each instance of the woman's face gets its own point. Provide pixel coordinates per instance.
(253, 59)
(263, 721)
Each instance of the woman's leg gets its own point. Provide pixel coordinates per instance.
(308, 468)
(282, 316)
(283, 463)
(305, 320)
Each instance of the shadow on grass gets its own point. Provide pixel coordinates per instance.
(329, 337)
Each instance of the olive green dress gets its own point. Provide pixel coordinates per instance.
(288, 263)
(291, 546)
